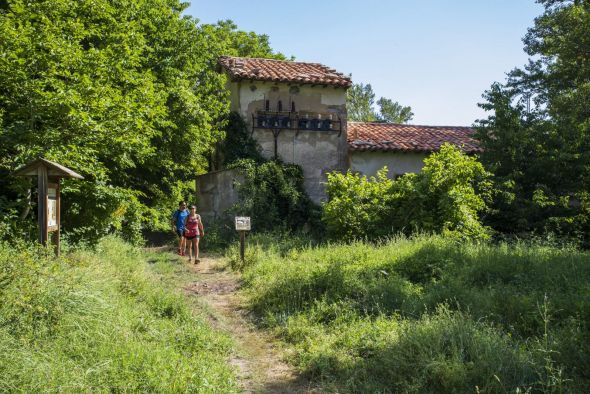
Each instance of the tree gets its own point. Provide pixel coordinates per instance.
(361, 102)
(537, 139)
(125, 92)
(393, 112)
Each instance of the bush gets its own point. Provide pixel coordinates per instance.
(445, 197)
(273, 195)
(95, 210)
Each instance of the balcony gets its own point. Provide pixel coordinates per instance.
(297, 121)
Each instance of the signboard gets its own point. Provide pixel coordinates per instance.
(48, 211)
(52, 208)
(242, 223)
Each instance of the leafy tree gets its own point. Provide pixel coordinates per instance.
(361, 102)
(125, 92)
(537, 140)
(393, 112)
(238, 144)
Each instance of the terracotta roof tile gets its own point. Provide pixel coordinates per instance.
(388, 137)
(282, 71)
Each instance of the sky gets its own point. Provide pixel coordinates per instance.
(437, 56)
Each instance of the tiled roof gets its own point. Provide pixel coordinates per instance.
(282, 71)
(388, 137)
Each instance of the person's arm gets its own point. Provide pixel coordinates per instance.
(186, 220)
(201, 226)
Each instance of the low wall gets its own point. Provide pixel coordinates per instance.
(368, 163)
(217, 192)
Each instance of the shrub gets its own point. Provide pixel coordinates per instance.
(445, 197)
(274, 196)
(95, 210)
(358, 207)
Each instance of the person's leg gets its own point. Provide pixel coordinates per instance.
(197, 250)
(190, 249)
(183, 245)
(180, 238)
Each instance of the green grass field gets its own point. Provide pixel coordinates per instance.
(102, 321)
(426, 314)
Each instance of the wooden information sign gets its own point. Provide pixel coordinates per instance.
(48, 176)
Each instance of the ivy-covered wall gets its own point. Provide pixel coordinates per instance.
(317, 152)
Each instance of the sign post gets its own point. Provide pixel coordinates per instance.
(242, 225)
(48, 175)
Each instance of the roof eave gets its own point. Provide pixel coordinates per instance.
(54, 169)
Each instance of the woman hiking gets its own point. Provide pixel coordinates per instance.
(193, 231)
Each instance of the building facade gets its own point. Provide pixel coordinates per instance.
(296, 112)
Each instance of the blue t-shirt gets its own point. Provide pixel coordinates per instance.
(179, 216)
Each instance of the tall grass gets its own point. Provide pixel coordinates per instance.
(100, 321)
(427, 314)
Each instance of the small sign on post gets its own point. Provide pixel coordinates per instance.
(242, 225)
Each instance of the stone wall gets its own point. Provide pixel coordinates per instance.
(398, 163)
(216, 193)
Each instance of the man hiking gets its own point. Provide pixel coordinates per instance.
(178, 226)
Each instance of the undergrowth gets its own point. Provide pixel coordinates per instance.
(426, 314)
(100, 321)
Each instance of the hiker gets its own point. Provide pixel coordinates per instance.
(178, 219)
(193, 232)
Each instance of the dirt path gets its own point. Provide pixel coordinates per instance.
(258, 359)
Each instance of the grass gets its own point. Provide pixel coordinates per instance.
(426, 314)
(102, 321)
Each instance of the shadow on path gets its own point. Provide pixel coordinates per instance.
(258, 358)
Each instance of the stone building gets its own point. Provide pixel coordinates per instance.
(297, 112)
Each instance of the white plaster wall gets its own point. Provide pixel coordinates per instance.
(398, 163)
(317, 152)
(245, 93)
